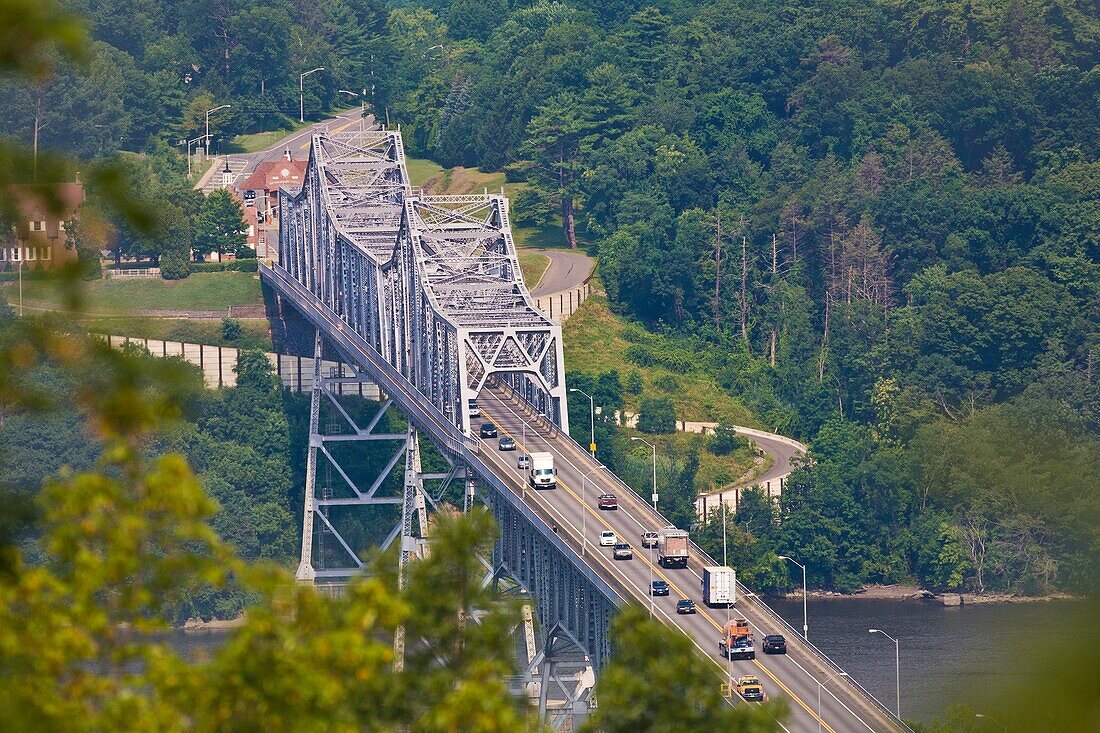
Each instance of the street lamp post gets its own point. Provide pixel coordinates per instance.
(302, 92)
(821, 684)
(584, 510)
(207, 116)
(190, 143)
(897, 666)
(362, 102)
(654, 449)
(805, 617)
(20, 287)
(986, 717)
(591, 419)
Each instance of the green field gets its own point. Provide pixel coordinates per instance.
(254, 334)
(200, 291)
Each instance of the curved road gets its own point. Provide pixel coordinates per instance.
(568, 269)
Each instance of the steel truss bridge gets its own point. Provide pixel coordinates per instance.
(423, 296)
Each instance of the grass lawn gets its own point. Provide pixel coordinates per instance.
(256, 141)
(422, 169)
(200, 291)
(254, 334)
(595, 342)
(533, 265)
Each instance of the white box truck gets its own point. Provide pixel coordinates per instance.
(672, 548)
(719, 586)
(542, 474)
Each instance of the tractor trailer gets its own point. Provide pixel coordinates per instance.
(719, 586)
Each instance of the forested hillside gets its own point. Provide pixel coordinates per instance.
(880, 223)
(877, 222)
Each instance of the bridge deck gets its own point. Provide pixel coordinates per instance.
(793, 676)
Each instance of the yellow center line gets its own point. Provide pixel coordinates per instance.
(659, 571)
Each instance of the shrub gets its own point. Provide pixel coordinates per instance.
(174, 266)
(231, 329)
(725, 440)
(667, 383)
(640, 355)
(634, 382)
(658, 416)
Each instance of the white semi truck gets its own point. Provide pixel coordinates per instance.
(719, 586)
(541, 475)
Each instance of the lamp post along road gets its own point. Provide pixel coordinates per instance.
(986, 717)
(584, 512)
(654, 449)
(591, 420)
(821, 684)
(302, 92)
(897, 666)
(805, 616)
(207, 116)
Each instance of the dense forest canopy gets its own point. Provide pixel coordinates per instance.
(877, 222)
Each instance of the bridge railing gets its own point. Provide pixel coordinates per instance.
(707, 559)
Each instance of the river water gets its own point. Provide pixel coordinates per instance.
(966, 654)
(948, 655)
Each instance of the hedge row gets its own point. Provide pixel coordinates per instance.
(230, 266)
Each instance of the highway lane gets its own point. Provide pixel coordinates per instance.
(793, 676)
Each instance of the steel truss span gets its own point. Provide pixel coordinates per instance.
(432, 283)
(423, 296)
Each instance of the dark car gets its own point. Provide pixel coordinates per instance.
(775, 644)
(607, 501)
(623, 551)
(685, 605)
(488, 430)
(659, 588)
(507, 443)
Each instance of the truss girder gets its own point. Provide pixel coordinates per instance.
(427, 281)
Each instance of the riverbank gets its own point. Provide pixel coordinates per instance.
(904, 592)
(215, 624)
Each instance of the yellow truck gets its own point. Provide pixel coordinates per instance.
(749, 687)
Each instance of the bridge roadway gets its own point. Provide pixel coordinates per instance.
(794, 676)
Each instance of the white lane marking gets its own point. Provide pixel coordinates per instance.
(551, 446)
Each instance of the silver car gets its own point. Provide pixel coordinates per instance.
(523, 461)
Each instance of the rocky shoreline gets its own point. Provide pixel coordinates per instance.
(214, 624)
(901, 592)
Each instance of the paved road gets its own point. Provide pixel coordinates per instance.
(568, 269)
(297, 142)
(573, 506)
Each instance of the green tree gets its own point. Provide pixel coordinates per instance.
(657, 415)
(220, 227)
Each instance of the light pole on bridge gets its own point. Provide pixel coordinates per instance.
(584, 510)
(591, 420)
(654, 449)
(897, 665)
(805, 617)
(821, 684)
